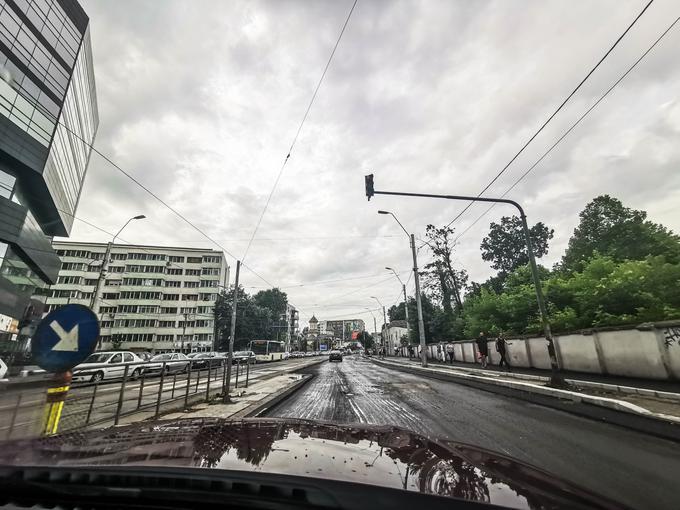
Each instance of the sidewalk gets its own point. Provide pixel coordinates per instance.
(658, 400)
(650, 384)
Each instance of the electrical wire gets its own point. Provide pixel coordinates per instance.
(297, 134)
(573, 126)
(502, 171)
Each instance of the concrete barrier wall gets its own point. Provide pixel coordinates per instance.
(647, 351)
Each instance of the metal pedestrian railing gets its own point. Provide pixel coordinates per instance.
(151, 389)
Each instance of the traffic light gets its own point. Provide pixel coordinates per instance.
(369, 186)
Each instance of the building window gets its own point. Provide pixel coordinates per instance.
(193, 272)
(176, 258)
(118, 256)
(167, 324)
(70, 280)
(194, 260)
(191, 285)
(187, 309)
(211, 259)
(110, 295)
(209, 283)
(173, 270)
(116, 269)
(208, 297)
(165, 338)
(170, 297)
(173, 283)
(211, 271)
(147, 309)
(107, 309)
(190, 297)
(168, 311)
(92, 281)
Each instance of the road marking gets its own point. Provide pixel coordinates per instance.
(68, 340)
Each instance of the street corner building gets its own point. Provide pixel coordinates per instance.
(153, 298)
(48, 121)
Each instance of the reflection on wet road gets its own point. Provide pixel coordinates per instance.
(637, 469)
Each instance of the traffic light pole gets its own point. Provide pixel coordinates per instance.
(556, 378)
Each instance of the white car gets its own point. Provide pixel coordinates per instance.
(108, 365)
(171, 362)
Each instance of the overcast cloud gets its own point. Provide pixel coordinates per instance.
(200, 101)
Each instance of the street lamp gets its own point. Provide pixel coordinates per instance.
(105, 262)
(382, 335)
(403, 286)
(419, 304)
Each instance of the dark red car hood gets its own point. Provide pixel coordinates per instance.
(385, 456)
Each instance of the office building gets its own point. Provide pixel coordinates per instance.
(48, 116)
(152, 298)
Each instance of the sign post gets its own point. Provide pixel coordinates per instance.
(63, 339)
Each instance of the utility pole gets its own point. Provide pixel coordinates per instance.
(184, 331)
(419, 305)
(556, 378)
(232, 332)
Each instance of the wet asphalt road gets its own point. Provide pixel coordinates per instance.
(640, 471)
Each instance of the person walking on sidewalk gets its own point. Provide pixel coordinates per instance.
(410, 351)
(501, 347)
(483, 348)
(449, 352)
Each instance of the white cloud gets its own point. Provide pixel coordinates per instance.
(200, 101)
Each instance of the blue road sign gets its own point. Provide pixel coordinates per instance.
(65, 337)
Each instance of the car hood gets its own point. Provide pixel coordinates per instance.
(377, 455)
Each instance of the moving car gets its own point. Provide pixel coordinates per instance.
(108, 365)
(244, 357)
(201, 360)
(269, 463)
(335, 356)
(171, 362)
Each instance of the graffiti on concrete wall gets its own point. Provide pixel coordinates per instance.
(671, 336)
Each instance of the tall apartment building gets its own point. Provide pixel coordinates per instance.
(341, 329)
(48, 110)
(152, 299)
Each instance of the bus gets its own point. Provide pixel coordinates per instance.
(267, 350)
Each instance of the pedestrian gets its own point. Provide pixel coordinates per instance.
(410, 351)
(449, 351)
(501, 347)
(483, 348)
(439, 352)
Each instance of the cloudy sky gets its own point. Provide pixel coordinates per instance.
(200, 101)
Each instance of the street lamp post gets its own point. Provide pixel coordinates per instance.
(104, 267)
(419, 304)
(403, 286)
(556, 378)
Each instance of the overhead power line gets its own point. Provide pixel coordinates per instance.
(573, 126)
(297, 134)
(507, 165)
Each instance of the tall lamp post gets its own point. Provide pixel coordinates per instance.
(104, 267)
(403, 286)
(556, 378)
(419, 304)
(382, 336)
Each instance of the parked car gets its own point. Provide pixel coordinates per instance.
(174, 362)
(335, 356)
(243, 357)
(108, 365)
(296, 354)
(201, 360)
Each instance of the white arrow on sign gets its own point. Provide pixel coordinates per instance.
(68, 341)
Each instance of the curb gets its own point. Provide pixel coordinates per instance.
(598, 408)
(272, 400)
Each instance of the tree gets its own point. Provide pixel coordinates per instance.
(608, 228)
(506, 248)
(252, 321)
(439, 278)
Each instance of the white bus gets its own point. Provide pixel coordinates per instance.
(267, 350)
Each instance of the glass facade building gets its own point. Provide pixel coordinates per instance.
(48, 118)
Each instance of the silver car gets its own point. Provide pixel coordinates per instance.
(170, 362)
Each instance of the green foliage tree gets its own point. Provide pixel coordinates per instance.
(609, 228)
(506, 248)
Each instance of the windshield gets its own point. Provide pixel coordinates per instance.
(98, 358)
(452, 227)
